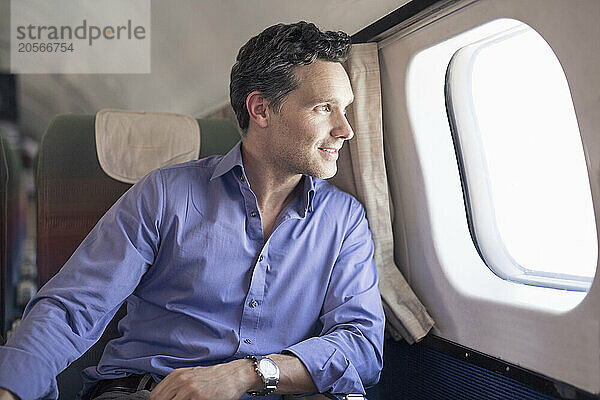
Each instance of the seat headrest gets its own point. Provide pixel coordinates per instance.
(132, 143)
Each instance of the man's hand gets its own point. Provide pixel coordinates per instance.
(6, 395)
(223, 381)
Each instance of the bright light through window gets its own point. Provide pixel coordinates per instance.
(531, 154)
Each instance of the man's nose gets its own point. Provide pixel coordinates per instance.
(342, 130)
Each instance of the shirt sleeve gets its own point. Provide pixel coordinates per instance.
(347, 355)
(69, 314)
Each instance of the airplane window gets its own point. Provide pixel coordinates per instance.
(523, 168)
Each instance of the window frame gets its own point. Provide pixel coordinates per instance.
(473, 170)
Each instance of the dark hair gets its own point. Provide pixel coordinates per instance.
(267, 61)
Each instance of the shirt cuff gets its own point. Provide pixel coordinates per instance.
(330, 370)
(26, 375)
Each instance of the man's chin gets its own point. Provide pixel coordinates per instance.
(325, 174)
(321, 170)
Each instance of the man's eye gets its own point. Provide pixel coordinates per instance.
(324, 107)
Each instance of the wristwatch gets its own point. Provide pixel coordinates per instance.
(268, 372)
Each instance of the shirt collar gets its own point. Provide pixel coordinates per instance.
(229, 160)
(308, 193)
(234, 158)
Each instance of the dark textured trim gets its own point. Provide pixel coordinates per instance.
(4, 236)
(539, 382)
(387, 22)
(9, 110)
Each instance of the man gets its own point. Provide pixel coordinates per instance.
(249, 254)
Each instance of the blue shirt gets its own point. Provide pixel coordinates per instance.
(184, 248)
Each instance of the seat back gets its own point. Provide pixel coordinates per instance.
(12, 231)
(73, 192)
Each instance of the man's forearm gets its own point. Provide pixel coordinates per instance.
(7, 395)
(294, 378)
(231, 380)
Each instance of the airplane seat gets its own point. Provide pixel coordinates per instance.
(74, 191)
(12, 231)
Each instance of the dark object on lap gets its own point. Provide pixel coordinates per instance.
(129, 384)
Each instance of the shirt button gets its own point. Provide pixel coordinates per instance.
(242, 178)
(253, 214)
(260, 258)
(247, 341)
(253, 303)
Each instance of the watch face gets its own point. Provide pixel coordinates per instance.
(268, 368)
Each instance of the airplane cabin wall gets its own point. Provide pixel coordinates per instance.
(514, 322)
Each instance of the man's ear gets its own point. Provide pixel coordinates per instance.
(257, 109)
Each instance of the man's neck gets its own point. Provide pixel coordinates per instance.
(273, 187)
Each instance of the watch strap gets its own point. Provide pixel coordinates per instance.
(351, 396)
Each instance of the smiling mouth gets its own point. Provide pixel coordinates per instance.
(329, 152)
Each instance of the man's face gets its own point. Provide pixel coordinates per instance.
(311, 127)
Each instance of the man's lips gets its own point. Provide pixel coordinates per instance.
(329, 152)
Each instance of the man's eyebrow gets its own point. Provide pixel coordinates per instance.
(330, 100)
